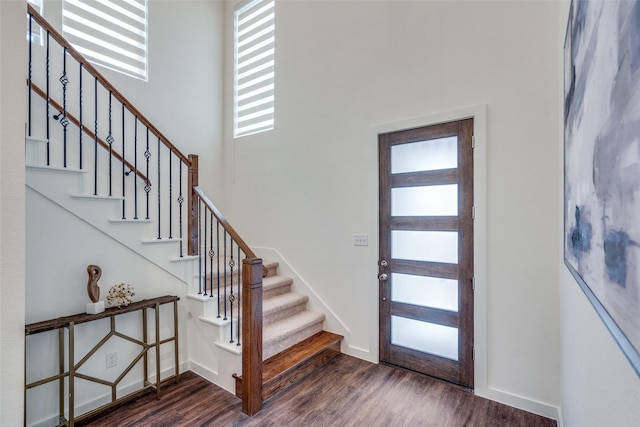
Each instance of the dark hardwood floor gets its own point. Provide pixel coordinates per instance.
(346, 392)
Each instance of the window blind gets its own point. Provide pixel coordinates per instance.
(254, 67)
(111, 33)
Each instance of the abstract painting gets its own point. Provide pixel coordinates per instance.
(602, 162)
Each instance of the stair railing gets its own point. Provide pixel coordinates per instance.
(111, 123)
(221, 253)
(131, 159)
(73, 119)
(229, 273)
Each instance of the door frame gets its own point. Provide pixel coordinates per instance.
(479, 115)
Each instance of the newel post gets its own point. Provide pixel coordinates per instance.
(252, 336)
(192, 202)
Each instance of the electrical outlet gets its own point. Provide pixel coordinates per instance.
(360, 240)
(112, 359)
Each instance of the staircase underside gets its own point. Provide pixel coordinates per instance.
(294, 363)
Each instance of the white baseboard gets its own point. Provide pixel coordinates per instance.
(560, 420)
(209, 375)
(526, 404)
(360, 353)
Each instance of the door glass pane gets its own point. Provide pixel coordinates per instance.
(433, 154)
(432, 200)
(425, 291)
(434, 246)
(425, 337)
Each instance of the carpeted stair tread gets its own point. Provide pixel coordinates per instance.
(284, 333)
(275, 285)
(282, 306)
(269, 283)
(270, 266)
(283, 301)
(221, 264)
(284, 328)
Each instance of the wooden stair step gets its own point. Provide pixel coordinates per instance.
(295, 363)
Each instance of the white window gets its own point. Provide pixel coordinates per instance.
(111, 33)
(254, 28)
(34, 31)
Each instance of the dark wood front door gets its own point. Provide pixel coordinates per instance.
(426, 250)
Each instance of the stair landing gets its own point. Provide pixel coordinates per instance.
(294, 363)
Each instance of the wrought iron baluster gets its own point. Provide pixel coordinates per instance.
(232, 297)
(171, 195)
(30, 72)
(81, 122)
(110, 142)
(218, 262)
(147, 185)
(180, 202)
(211, 252)
(199, 251)
(135, 167)
(48, 97)
(239, 282)
(224, 246)
(159, 212)
(63, 114)
(124, 174)
(204, 250)
(95, 136)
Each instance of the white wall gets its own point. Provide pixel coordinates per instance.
(342, 69)
(56, 286)
(12, 224)
(598, 385)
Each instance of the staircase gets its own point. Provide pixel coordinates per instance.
(122, 206)
(294, 343)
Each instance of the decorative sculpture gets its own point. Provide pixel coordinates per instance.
(93, 290)
(95, 306)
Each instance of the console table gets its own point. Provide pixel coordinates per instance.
(69, 322)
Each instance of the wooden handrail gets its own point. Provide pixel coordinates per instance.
(105, 83)
(225, 224)
(86, 130)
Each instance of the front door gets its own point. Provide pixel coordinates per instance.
(426, 250)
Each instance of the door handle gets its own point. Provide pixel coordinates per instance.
(383, 277)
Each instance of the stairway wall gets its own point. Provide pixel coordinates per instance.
(60, 246)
